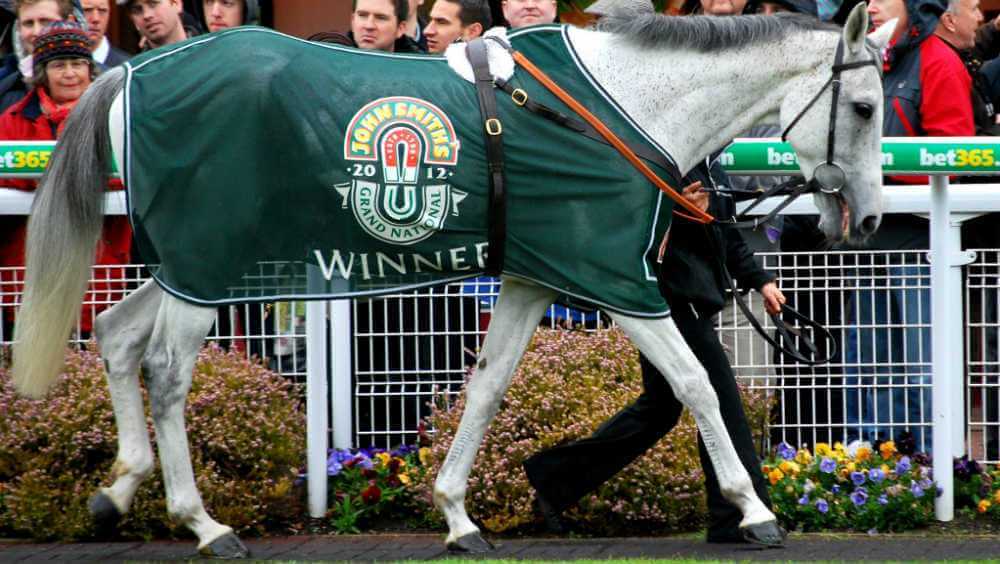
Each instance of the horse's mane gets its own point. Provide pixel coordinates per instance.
(707, 33)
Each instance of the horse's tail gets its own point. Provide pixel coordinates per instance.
(66, 220)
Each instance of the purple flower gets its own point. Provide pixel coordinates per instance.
(804, 500)
(333, 467)
(858, 478)
(883, 499)
(822, 506)
(827, 465)
(876, 475)
(903, 466)
(835, 489)
(364, 462)
(916, 490)
(786, 451)
(859, 497)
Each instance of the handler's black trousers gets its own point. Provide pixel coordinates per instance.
(555, 474)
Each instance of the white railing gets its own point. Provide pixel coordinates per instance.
(387, 357)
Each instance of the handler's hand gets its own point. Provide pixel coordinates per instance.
(773, 298)
(694, 194)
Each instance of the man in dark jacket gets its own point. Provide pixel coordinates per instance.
(98, 14)
(693, 281)
(381, 25)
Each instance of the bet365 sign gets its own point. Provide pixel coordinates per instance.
(900, 155)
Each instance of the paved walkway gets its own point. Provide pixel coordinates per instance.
(429, 547)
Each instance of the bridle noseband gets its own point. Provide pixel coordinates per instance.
(829, 177)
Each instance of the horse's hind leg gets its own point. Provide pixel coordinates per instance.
(662, 343)
(122, 333)
(173, 348)
(519, 309)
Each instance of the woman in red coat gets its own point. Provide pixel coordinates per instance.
(62, 70)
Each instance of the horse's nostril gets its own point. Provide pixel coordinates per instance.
(869, 224)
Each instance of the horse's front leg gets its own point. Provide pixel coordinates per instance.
(662, 343)
(173, 348)
(122, 334)
(518, 310)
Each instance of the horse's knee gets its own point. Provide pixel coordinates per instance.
(167, 387)
(696, 393)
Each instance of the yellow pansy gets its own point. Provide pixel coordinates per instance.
(885, 469)
(851, 467)
(789, 467)
(383, 458)
(887, 449)
(775, 476)
(863, 454)
(823, 449)
(424, 455)
(984, 505)
(996, 496)
(404, 478)
(803, 457)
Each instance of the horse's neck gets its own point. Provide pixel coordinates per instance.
(695, 103)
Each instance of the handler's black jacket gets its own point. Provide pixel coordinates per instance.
(691, 270)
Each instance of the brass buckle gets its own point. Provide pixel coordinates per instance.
(494, 127)
(519, 96)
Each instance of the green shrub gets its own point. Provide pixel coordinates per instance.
(568, 383)
(245, 427)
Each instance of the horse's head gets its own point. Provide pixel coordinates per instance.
(833, 120)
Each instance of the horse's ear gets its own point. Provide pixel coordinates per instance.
(612, 7)
(881, 36)
(856, 27)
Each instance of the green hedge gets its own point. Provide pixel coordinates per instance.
(245, 426)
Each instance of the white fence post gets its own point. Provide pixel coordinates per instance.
(947, 344)
(316, 406)
(341, 390)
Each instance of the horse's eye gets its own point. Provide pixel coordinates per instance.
(864, 110)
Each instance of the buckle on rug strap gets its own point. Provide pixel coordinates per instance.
(494, 127)
(519, 96)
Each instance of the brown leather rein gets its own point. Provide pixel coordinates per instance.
(612, 139)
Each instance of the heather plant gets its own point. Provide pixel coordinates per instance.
(370, 485)
(245, 427)
(850, 488)
(567, 384)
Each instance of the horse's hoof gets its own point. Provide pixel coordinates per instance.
(227, 547)
(472, 543)
(768, 534)
(104, 511)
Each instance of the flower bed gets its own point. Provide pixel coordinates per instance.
(850, 488)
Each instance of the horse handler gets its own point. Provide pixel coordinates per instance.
(693, 282)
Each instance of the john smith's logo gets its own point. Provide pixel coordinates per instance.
(401, 153)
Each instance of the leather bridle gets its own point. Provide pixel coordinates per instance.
(829, 177)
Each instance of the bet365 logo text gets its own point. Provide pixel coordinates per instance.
(401, 153)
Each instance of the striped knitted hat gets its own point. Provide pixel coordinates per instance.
(61, 40)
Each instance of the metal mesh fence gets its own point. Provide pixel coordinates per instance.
(408, 347)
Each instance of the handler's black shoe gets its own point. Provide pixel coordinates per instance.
(550, 516)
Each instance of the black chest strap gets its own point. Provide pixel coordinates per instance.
(493, 138)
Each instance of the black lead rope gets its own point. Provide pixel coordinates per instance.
(786, 334)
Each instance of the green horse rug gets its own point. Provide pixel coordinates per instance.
(263, 167)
